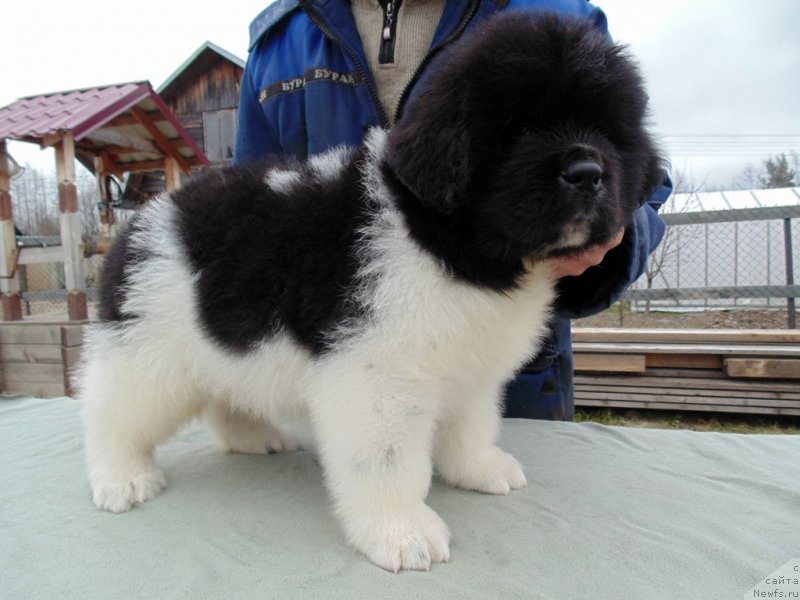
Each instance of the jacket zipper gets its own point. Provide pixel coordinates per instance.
(391, 8)
(326, 31)
(471, 11)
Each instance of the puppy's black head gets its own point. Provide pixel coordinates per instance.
(531, 132)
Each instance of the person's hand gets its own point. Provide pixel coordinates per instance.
(575, 264)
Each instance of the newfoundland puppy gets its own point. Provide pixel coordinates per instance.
(387, 292)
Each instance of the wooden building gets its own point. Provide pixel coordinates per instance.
(203, 93)
(153, 140)
(114, 130)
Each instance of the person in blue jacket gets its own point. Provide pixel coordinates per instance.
(321, 72)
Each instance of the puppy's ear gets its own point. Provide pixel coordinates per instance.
(430, 151)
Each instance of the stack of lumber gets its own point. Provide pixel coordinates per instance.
(738, 371)
(36, 358)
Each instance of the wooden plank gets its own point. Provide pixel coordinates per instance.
(30, 255)
(71, 356)
(30, 353)
(613, 363)
(687, 373)
(721, 396)
(726, 384)
(678, 406)
(10, 299)
(39, 390)
(684, 361)
(762, 368)
(33, 373)
(786, 350)
(172, 175)
(164, 144)
(70, 218)
(747, 336)
(25, 333)
(72, 335)
(689, 399)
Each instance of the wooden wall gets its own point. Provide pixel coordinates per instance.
(37, 357)
(216, 89)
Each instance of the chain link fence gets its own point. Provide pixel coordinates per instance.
(42, 283)
(731, 268)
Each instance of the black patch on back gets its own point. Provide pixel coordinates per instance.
(268, 261)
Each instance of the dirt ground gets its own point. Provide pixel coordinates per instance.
(721, 423)
(712, 319)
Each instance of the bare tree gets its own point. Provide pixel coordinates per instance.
(32, 193)
(667, 250)
(748, 179)
(35, 202)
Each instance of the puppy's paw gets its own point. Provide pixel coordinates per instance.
(411, 541)
(238, 432)
(280, 440)
(491, 471)
(120, 495)
(271, 441)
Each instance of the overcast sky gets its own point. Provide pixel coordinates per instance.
(723, 75)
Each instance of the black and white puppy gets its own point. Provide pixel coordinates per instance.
(387, 292)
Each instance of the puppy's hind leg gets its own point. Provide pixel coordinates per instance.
(128, 409)
(237, 431)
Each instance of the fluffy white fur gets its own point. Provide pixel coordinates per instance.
(416, 387)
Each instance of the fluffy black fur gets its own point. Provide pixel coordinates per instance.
(481, 153)
(476, 164)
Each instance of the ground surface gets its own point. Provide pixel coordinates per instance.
(711, 319)
(693, 421)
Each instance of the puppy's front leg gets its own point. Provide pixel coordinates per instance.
(374, 438)
(466, 454)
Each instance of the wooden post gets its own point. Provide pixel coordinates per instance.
(71, 240)
(10, 293)
(172, 174)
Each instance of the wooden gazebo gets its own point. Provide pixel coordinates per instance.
(113, 130)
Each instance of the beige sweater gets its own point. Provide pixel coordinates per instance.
(416, 22)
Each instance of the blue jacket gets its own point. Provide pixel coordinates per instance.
(307, 88)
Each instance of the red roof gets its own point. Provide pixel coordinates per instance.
(96, 118)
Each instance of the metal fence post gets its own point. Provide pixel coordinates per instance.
(790, 301)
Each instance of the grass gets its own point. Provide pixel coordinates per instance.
(691, 421)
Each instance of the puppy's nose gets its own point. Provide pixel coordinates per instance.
(584, 174)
